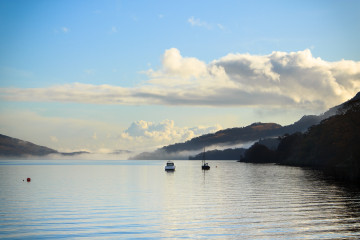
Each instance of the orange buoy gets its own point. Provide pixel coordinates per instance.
(28, 179)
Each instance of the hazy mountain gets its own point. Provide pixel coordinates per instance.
(227, 154)
(13, 147)
(225, 137)
(161, 154)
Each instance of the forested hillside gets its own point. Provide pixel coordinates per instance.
(333, 145)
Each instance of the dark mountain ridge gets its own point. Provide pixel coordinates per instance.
(332, 146)
(228, 154)
(14, 148)
(224, 137)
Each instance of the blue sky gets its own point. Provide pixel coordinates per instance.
(107, 75)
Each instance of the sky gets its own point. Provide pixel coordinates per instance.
(104, 76)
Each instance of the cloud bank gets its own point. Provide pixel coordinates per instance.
(280, 79)
(163, 133)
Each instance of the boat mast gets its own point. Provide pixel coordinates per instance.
(203, 160)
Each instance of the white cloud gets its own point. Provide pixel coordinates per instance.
(166, 130)
(280, 79)
(163, 133)
(181, 70)
(198, 23)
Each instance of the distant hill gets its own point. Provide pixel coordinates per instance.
(227, 154)
(225, 137)
(232, 136)
(13, 147)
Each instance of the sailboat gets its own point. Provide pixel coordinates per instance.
(205, 165)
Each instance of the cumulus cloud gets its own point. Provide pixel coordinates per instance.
(178, 69)
(279, 79)
(165, 132)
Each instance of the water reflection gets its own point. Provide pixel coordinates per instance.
(140, 200)
(278, 201)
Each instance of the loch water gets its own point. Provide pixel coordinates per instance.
(88, 199)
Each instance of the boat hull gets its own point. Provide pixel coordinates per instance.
(205, 167)
(169, 168)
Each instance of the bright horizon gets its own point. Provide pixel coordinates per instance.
(103, 76)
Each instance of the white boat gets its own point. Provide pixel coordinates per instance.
(170, 166)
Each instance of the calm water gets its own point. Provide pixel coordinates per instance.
(138, 199)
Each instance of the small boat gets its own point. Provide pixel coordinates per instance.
(170, 166)
(205, 165)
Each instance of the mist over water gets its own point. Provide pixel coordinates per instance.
(138, 199)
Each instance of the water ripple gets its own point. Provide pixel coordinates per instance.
(120, 199)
